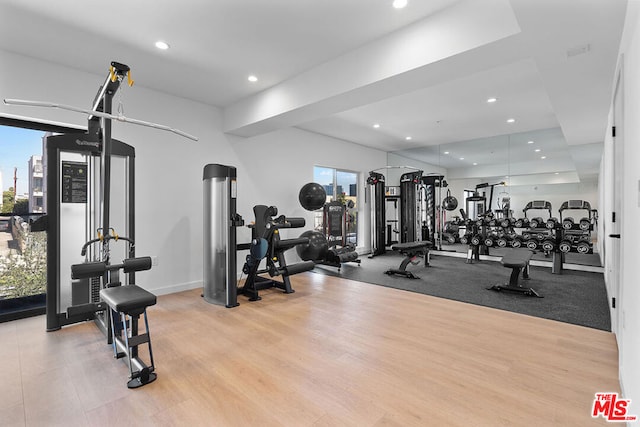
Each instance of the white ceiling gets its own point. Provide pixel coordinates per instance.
(337, 67)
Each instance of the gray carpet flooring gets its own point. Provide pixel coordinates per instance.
(575, 297)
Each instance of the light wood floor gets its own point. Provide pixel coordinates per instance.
(335, 353)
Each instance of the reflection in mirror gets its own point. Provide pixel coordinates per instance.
(534, 165)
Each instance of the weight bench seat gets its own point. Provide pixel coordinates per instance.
(411, 250)
(132, 301)
(517, 260)
(129, 299)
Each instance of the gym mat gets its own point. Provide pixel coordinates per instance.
(575, 297)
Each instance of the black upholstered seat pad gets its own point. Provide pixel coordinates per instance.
(516, 258)
(411, 245)
(127, 298)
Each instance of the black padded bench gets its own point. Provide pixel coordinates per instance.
(132, 301)
(517, 260)
(411, 250)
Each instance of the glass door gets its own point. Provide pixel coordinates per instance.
(23, 239)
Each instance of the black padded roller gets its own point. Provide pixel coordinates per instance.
(299, 267)
(296, 222)
(289, 243)
(88, 269)
(136, 264)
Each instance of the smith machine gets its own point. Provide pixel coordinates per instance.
(90, 193)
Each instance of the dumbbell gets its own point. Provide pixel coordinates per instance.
(551, 223)
(536, 222)
(541, 236)
(479, 222)
(532, 244)
(519, 223)
(585, 224)
(549, 244)
(526, 235)
(475, 239)
(465, 239)
(516, 242)
(489, 241)
(449, 238)
(568, 223)
(583, 246)
(507, 222)
(565, 246)
(502, 242)
(492, 222)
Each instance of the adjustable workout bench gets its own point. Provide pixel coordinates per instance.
(517, 260)
(411, 250)
(125, 300)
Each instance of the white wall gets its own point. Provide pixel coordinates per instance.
(271, 168)
(168, 167)
(392, 175)
(629, 293)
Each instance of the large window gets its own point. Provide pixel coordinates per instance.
(342, 186)
(23, 255)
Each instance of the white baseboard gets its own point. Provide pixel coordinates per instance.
(172, 289)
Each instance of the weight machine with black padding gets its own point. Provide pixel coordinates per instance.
(266, 242)
(409, 220)
(431, 210)
(89, 186)
(334, 226)
(220, 192)
(376, 191)
(81, 200)
(82, 197)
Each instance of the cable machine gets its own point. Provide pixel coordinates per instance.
(376, 189)
(409, 218)
(89, 189)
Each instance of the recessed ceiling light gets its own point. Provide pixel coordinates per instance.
(408, 138)
(376, 126)
(543, 157)
(511, 120)
(461, 158)
(399, 4)
(506, 176)
(557, 173)
(475, 164)
(446, 152)
(529, 142)
(492, 100)
(162, 45)
(252, 78)
(537, 150)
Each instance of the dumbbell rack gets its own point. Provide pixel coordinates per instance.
(552, 235)
(576, 237)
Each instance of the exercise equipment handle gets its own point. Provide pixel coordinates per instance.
(107, 237)
(289, 222)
